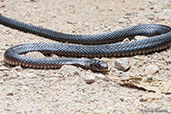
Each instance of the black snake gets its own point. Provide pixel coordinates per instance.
(160, 38)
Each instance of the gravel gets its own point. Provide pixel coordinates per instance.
(122, 64)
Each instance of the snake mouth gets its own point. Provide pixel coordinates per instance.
(99, 70)
(97, 65)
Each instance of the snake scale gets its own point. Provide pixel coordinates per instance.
(95, 45)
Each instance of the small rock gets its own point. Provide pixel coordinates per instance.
(128, 14)
(168, 60)
(124, 76)
(96, 28)
(1, 81)
(10, 94)
(122, 64)
(122, 20)
(90, 79)
(2, 6)
(2, 68)
(122, 99)
(13, 75)
(68, 70)
(141, 8)
(151, 69)
(150, 17)
(126, 40)
(71, 22)
(30, 75)
(151, 8)
(126, 17)
(169, 110)
(143, 100)
(148, 78)
(34, 0)
(101, 76)
(17, 68)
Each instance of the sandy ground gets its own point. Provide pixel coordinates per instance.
(65, 90)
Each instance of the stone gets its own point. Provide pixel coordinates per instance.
(101, 76)
(96, 28)
(30, 75)
(168, 60)
(141, 8)
(150, 17)
(126, 40)
(34, 0)
(122, 64)
(68, 70)
(122, 20)
(3, 68)
(151, 69)
(10, 94)
(148, 78)
(90, 78)
(17, 68)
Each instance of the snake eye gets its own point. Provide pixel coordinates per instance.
(98, 66)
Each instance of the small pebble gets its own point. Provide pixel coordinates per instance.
(30, 75)
(68, 70)
(2, 68)
(17, 68)
(168, 60)
(151, 69)
(90, 78)
(141, 8)
(122, 20)
(96, 28)
(123, 76)
(122, 99)
(128, 14)
(143, 100)
(148, 78)
(126, 40)
(101, 76)
(2, 6)
(122, 64)
(10, 94)
(33, 0)
(150, 17)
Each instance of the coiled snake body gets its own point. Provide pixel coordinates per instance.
(160, 38)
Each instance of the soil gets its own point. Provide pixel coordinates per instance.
(145, 85)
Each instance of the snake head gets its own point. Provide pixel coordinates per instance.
(98, 65)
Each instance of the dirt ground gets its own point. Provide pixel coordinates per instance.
(146, 85)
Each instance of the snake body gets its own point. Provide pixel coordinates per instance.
(106, 46)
